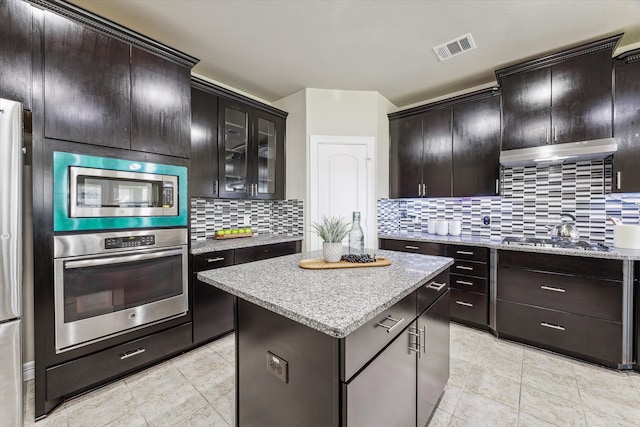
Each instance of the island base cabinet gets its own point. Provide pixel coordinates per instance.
(310, 397)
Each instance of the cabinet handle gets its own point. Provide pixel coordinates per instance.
(437, 286)
(419, 190)
(464, 282)
(463, 267)
(552, 326)
(551, 288)
(546, 134)
(420, 342)
(255, 191)
(412, 247)
(618, 180)
(466, 304)
(132, 353)
(392, 327)
(497, 186)
(215, 259)
(464, 253)
(555, 134)
(424, 190)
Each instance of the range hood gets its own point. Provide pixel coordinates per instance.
(559, 153)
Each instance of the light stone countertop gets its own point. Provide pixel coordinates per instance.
(213, 245)
(491, 242)
(335, 302)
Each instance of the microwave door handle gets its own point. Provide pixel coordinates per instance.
(94, 262)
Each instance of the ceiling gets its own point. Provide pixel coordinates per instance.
(273, 48)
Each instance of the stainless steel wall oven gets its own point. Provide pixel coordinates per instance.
(107, 284)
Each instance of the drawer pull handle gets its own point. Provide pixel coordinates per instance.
(412, 247)
(552, 326)
(464, 267)
(132, 353)
(464, 252)
(464, 282)
(551, 288)
(466, 304)
(392, 327)
(437, 286)
(215, 259)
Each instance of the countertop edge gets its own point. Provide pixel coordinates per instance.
(213, 245)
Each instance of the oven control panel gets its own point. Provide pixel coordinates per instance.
(129, 241)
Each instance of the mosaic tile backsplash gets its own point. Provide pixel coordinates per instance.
(266, 216)
(532, 197)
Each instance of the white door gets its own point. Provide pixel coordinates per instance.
(342, 182)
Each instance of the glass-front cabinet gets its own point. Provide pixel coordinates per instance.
(251, 152)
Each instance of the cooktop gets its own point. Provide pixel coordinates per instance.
(556, 243)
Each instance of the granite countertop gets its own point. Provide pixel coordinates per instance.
(213, 245)
(335, 302)
(496, 242)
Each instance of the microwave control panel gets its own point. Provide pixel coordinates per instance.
(129, 241)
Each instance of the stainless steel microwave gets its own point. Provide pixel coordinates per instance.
(95, 193)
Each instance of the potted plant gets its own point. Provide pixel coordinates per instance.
(332, 231)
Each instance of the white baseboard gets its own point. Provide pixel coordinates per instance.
(28, 371)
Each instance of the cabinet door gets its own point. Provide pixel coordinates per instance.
(405, 167)
(581, 98)
(433, 359)
(268, 160)
(526, 109)
(233, 140)
(15, 51)
(86, 85)
(160, 105)
(212, 312)
(626, 173)
(384, 394)
(437, 153)
(476, 147)
(203, 172)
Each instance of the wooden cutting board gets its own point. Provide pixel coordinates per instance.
(320, 264)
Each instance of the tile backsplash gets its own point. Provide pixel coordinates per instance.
(265, 216)
(532, 197)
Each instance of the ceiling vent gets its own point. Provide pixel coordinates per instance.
(455, 47)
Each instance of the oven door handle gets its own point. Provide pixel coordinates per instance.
(120, 259)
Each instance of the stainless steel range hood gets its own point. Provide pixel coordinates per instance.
(559, 153)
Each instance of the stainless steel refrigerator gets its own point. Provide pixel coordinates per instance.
(11, 163)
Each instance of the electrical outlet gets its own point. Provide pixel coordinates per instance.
(486, 220)
(278, 367)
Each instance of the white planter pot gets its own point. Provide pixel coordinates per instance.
(332, 252)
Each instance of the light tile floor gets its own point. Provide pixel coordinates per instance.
(492, 383)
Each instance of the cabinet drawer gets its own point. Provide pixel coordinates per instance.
(469, 268)
(256, 253)
(579, 295)
(365, 342)
(469, 253)
(212, 260)
(469, 307)
(469, 283)
(580, 266)
(425, 248)
(105, 365)
(432, 290)
(594, 339)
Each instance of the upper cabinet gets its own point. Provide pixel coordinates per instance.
(15, 51)
(106, 85)
(626, 174)
(449, 148)
(203, 172)
(564, 97)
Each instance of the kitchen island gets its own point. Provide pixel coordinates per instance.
(346, 347)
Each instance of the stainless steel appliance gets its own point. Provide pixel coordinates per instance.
(107, 284)
(556, 243)
(92, 193)
(11, 163)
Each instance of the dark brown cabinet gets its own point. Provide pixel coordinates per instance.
(564, 97)
(469, 285)
(160, 105)
(15, 51)
(626, 174)
(433, 148)
(561, 303)
(251, 152)
(203, 171)
(87, 87)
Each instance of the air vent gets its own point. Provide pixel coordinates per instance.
(455, 47)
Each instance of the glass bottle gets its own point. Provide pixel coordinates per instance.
(356, 236)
